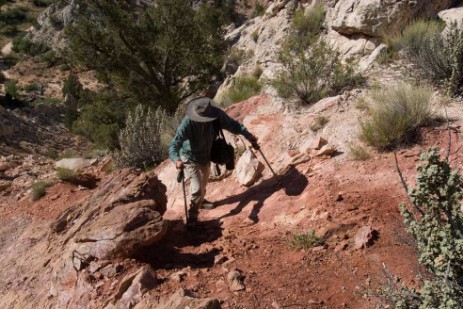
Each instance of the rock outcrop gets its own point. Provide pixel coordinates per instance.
(121, 216)
(378, 17)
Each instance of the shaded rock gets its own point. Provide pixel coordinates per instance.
(132, 288)
(75, 164)
(364, 237)
(378, 17)
(121, 232)
(248, 168)
(183, 299)
(235, 280)
(178, 276)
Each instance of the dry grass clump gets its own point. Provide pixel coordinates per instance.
(396, 114)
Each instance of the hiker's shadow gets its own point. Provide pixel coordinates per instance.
(179, 248)
(293, 183)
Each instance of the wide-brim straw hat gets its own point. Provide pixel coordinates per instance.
(202, 110)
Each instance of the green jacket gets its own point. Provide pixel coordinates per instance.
(193, 140)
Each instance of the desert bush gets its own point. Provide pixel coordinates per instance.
(438, 230)
(11, 88)
(242, 89)
(23, 44)
(396, 114)
(141, 140)
(415, 35)
(42, 3)
(319, 123)
(13, 16)
(438, 56)
(38, 189)
(10, 60)
(306, 26)
(65, 174)
(255, 35)
(239, 55)
(259, 10)
(305, 240)
(358, 152)
(308, 76)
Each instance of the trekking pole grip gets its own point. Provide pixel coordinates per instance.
(180, 175)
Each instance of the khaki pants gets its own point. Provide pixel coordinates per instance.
(198, 175)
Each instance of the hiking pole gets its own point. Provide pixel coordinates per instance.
(181, 178)
(257, 147)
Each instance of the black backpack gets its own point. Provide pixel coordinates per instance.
(222, 153)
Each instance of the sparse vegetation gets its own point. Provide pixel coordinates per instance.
(66, 174)
(396, 115)
(310, 75)
(259, 10)
(39, 189)
(318, 123)
(239, 56)
(312, 69)
(305, 240)
(23, 44)
(255, 35)
(11, 88)
(142, 143)
(358, 152)
(242, 89)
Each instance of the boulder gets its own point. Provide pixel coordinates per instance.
(452, 15)
(132, 288)
(378, 17)
(248, 168)
(75, 164)
(120, 232)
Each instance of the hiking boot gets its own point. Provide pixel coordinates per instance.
(207, 205)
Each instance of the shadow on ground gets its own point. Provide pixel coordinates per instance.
(292, 182)
(174, 250)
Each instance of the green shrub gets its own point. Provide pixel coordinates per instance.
(255, 35)
(141, 140)
(42, 3)
(39, 189)
(309, 76)
(65, 174)
(438, 230)
(396, 115)
(11, 59)
(52, 154)
(305, 240)
(239, 56)
(31, 87)
(305, 28)
(11, 88)
(13, 15)
(48, 101)
(50, 57)
(242, 89)
(25, 45)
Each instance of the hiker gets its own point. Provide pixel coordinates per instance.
(191, 147)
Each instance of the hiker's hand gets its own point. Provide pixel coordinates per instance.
(179, 164)
(253, 140)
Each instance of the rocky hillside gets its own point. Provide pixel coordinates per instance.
(326, 233)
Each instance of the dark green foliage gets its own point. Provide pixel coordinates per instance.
(311, 68)
(310, 75)
(155, 55)
(72, 92)
(13, 16)
(101, 117)
(11, 88)
(23, 44)
(42, 3)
